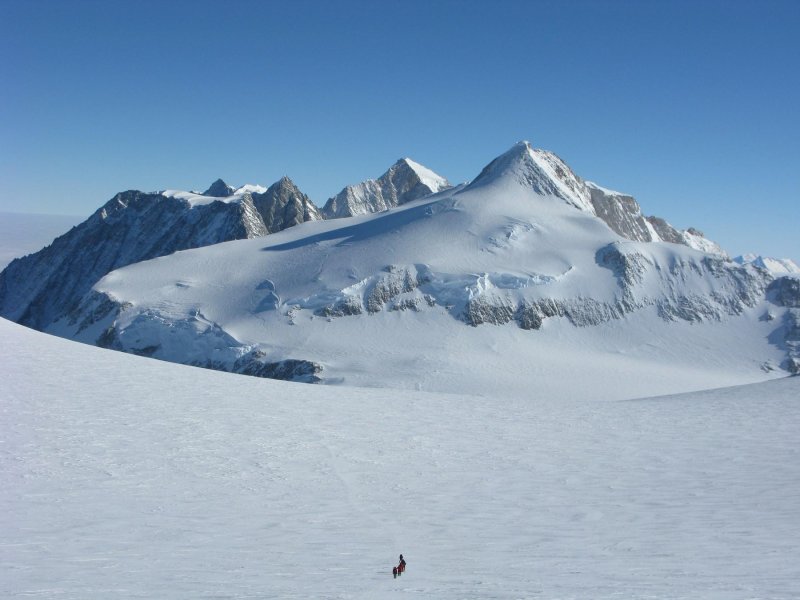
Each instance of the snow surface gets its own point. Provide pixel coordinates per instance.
(24, 233)
(252, 188)
(605, 190)
(776, 266)
(124, 477)
(198, 199)
(195, 199)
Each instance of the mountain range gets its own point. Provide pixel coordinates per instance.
(375, 287)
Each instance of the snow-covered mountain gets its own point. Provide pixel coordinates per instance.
(405, 180)
(776, 266)
(135, 226)
(527, 243)
(520, 254)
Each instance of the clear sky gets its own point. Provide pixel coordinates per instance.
(693, 107)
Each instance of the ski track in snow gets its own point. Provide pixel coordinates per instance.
(124, 477)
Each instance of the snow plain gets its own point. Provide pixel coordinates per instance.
(125, 477)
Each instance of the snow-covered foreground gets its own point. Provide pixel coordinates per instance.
(124, 477)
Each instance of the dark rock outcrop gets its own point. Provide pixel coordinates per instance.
(283, 205)
(219, 189)
(785, 291)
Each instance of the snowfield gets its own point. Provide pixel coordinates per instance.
(125, 477)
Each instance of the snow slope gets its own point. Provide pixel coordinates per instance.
(124, 477)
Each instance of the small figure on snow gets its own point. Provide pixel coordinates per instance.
(394, 572)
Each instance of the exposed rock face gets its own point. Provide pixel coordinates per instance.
(133, 226)
(497, 298)
(620, 212)
(219, 189)
(153, 335)
(301, 371)
(284, 205)
(665, 231)
(405, 181)
(791, 338)
(785, 291)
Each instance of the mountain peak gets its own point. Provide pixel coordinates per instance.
(432, 180)
(219, 189)
(404, 181)
(285, 182)
(283, 205)
(539, 170)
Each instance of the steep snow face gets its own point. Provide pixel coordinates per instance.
(492, 277)
(776, 266)
(406, 180)
(283, 205)
(131, 227)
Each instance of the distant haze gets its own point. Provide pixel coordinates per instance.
(22, 234)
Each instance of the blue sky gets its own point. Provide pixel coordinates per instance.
(692, 107)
